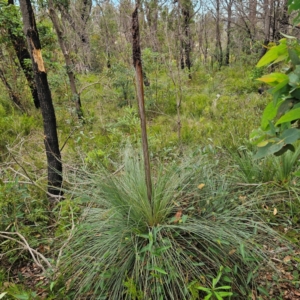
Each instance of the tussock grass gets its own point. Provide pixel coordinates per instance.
(127, 249)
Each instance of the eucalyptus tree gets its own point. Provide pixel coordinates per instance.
(47, 109)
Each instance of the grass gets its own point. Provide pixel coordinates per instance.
(127, 249)
(202, 220)
(271, 168)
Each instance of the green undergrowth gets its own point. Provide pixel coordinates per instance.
(216, 217)
(196, 224)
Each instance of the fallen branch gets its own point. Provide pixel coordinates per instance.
(36, 256)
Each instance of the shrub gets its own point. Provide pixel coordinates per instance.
(127, 248)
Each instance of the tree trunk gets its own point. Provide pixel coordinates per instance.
(284, 20)
(137, 63)
(47, 109)
(267, 25)
(252, 16)
(219, 52)
(185, 10)
(69, 66)
(19, 45)
(229, 15)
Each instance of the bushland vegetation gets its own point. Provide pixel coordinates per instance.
(176, 174)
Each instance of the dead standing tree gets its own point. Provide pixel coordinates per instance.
(47, 109)
(137, 63)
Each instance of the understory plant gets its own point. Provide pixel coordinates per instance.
(126, 248)
(270, 168)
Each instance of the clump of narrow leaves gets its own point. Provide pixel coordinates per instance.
(127, 248)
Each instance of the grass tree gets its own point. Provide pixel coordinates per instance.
(137, 62)
(183, 234)
(173, 247)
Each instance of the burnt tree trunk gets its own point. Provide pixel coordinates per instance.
(69, 65)
(22, 53)
(186, 13)
(47, 109)
(229, 15)
(137, 63)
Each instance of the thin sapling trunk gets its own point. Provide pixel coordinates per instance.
(137, 62)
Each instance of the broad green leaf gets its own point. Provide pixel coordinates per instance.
(274, 77)
(281, 58)
(269, 57)
(290, 135)
(296, 93)
(257, 136)
(285, 106)
(2, 295)
(269, 113)
(270, 148)
(273, 129)
(292, 115)
(294, 57)
(263, 143)
(284, 149)
(279, 87)
(293, 79)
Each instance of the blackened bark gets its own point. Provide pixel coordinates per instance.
(21, 50)
(187, 40)
(47, 109)
(137, 63)
(229, 14)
